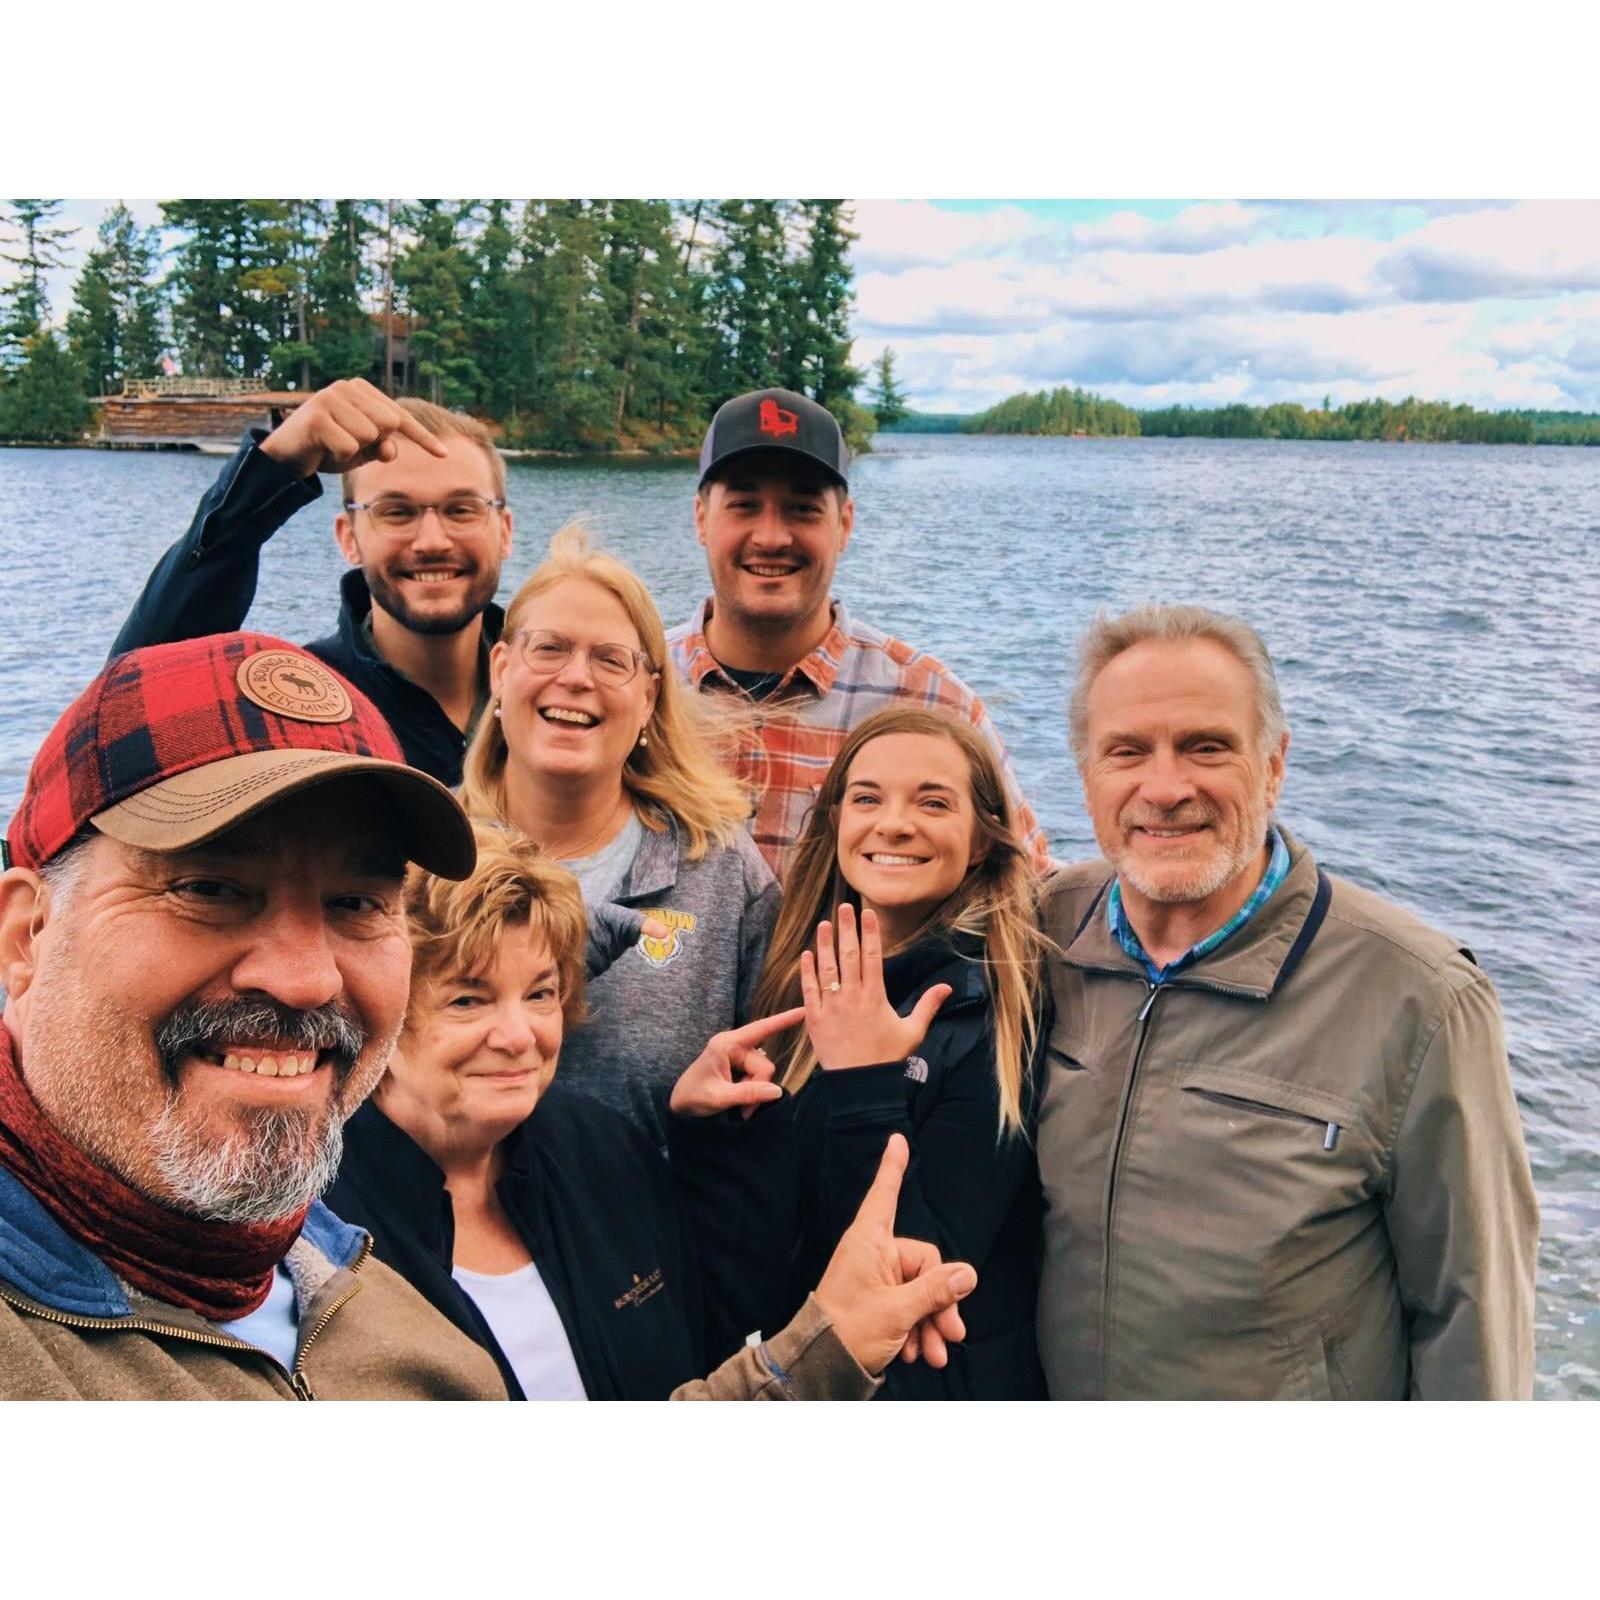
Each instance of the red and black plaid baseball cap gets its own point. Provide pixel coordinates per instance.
(774, 419)
(176, 743)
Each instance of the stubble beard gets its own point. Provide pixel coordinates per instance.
(269, 1165)
(1184, 884)
(387, 596)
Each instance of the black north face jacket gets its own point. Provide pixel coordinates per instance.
(206, 582)
(592, 1201)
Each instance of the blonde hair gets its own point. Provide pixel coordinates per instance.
(677, 772)
(444, 424)
(456, 926)
(997, 900)
(1109, 636)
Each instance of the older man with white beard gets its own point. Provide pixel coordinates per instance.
(206, 965)
(1280, 1150)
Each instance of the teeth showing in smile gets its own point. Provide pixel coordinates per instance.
(767, 570)
(271, 1063)
(1169, 833)
(881, 860)
(579, 719)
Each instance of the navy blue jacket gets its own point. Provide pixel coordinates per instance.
(593, 1203)
(206, 582)
(770, 1196)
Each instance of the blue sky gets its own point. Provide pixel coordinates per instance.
(1209, 301)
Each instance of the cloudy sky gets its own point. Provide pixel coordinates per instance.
(1205, 302)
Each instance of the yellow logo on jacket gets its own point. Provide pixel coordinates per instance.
(663, 952)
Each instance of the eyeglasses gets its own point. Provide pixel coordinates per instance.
(461, 513)
(547, 653)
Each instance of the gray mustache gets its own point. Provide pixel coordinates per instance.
(212, 1024)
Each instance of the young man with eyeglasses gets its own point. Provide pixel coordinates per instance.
(425, 525)
(774, 513)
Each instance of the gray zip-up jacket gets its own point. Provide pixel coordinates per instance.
(654, 1007)
(1293, 1170)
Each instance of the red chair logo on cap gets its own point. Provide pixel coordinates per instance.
(776, 421)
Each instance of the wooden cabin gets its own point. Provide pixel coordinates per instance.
(189, 413)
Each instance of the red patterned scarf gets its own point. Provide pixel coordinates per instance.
(223, 1270)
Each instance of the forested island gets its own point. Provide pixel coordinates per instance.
(1075, 412)
(571, 325)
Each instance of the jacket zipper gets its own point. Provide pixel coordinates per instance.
(296, 1378)
(1143, 1019)
(1261, 1108)
(1111, 1187)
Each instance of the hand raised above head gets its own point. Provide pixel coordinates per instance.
(848, 1015)
(733, 1070)
(343, 427)
(887, 1296)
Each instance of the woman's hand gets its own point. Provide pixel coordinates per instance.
(709, 1085)
(848, 1015)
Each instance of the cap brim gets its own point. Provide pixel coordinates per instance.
(195, 806)
(772, 447)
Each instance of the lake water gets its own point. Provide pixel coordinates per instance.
(1433, 611)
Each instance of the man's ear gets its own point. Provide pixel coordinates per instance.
(847, 522)
(24, 914)
(344, 530)
(700, 517)
(505, 534)
(1275, 769)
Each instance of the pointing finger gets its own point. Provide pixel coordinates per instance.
(753, 1033)
(414, 431)
(877, 1207)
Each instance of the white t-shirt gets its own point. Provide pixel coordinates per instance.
(527, 1327)
(274, 1325)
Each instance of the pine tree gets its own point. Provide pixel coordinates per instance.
(825, 301)
(343, 340)
(36, 249)
(887, 398)
(495, 309)
(434, 274)
(115, 326)
(43, 398)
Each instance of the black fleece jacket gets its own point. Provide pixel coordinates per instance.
(770, 1196)
(592, 1201)
(205, 583)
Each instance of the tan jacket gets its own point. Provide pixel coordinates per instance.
(366, 1335)
(1294, 1170)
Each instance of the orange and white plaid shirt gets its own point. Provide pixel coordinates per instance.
(789, 743)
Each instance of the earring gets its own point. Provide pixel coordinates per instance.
(497, 709)
(642, 740)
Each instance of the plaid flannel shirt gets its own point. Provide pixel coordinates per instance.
(788, 745)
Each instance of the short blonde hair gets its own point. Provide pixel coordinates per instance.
(677, 772)
(455, 926)
(444, 424)
(1108, 637)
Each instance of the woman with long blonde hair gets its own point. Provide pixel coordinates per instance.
(597, 752)
(909, 933)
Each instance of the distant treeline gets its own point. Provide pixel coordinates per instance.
(1056, 411)
(574, 324)
(1075, 411)
(928, 422)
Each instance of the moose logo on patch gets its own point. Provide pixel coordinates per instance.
(293, 686)
(663, 952)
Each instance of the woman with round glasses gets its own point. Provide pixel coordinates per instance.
(599, 754)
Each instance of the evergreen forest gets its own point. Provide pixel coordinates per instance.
(570, 324)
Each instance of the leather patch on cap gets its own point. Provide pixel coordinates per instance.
(292, 686)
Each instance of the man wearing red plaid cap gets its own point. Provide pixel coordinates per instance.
(206, 965)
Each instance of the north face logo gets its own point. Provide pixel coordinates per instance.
(776, 421)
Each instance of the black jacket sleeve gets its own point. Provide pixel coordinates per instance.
(207, 580)
(737, 1183)
(963, 1175)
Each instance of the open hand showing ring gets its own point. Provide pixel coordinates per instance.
(848, 1015)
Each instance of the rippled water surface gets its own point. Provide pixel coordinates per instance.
(1433, 610)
